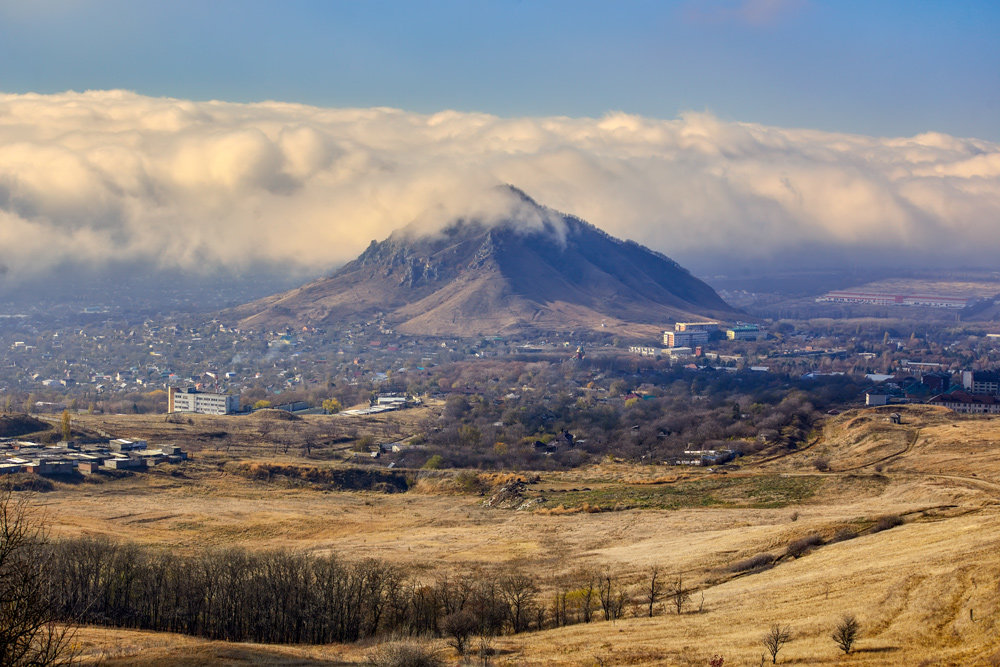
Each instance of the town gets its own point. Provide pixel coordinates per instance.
(102, 364)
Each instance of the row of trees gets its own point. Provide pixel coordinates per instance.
(282, 597)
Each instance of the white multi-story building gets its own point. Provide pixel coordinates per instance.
(206, 403)
(685, 338)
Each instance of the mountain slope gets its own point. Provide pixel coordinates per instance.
(556, 273)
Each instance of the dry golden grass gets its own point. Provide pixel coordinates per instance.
(912, 586)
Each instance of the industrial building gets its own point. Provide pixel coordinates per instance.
(201, 402)
(745, 332)
(887, 299)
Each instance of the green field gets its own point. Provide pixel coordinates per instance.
(759, 491)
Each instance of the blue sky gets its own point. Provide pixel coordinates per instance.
(879, 68)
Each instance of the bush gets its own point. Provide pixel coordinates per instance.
(434, 463)
(403, 654)
(752, 564)
(846, 633)
(469, 481)
(844, 534)
(801, 546)
(822, 464)
(887, 521)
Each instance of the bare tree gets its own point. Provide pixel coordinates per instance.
(588, 594)
(518, 592)
(677, 595)
(775, 638)
(612, 597)
(29, 634)
(846, 633)
(459, 626)
(654, 591)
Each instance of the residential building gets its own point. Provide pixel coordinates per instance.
(966, 403)
(689, 338)
(202, 402)
(696, 326)
(981, 382)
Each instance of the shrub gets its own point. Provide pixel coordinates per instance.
(822, 464)
(434, 463)
(754, 563)
(403, 654)
(459, 626)
(775, 638)
(844, 534)
(469, 481)
(846, 633)
(802, 545)
(887, 521)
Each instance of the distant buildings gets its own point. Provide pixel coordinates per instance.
(742, 331)
(981, 382)
(966, 403)
(689, 334)
(887, 299)
(696, 326)
(202, 402)
(67, 459)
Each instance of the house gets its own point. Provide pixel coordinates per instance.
(873, 398)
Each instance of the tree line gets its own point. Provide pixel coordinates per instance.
(285, 597)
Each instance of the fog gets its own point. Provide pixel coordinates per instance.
(106, 177)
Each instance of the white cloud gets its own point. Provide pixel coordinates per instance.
(112, 175)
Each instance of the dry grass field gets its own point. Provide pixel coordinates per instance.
(927, 592)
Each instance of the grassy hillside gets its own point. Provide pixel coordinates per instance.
(899, 524)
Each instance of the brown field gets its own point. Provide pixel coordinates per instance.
(927, 592)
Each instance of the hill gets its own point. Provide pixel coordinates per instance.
(13, 426)
(541, 271)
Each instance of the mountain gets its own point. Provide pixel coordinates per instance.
(541, 271)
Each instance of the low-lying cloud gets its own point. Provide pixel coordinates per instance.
(110, 176)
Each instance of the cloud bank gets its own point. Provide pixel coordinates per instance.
(107, 176)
